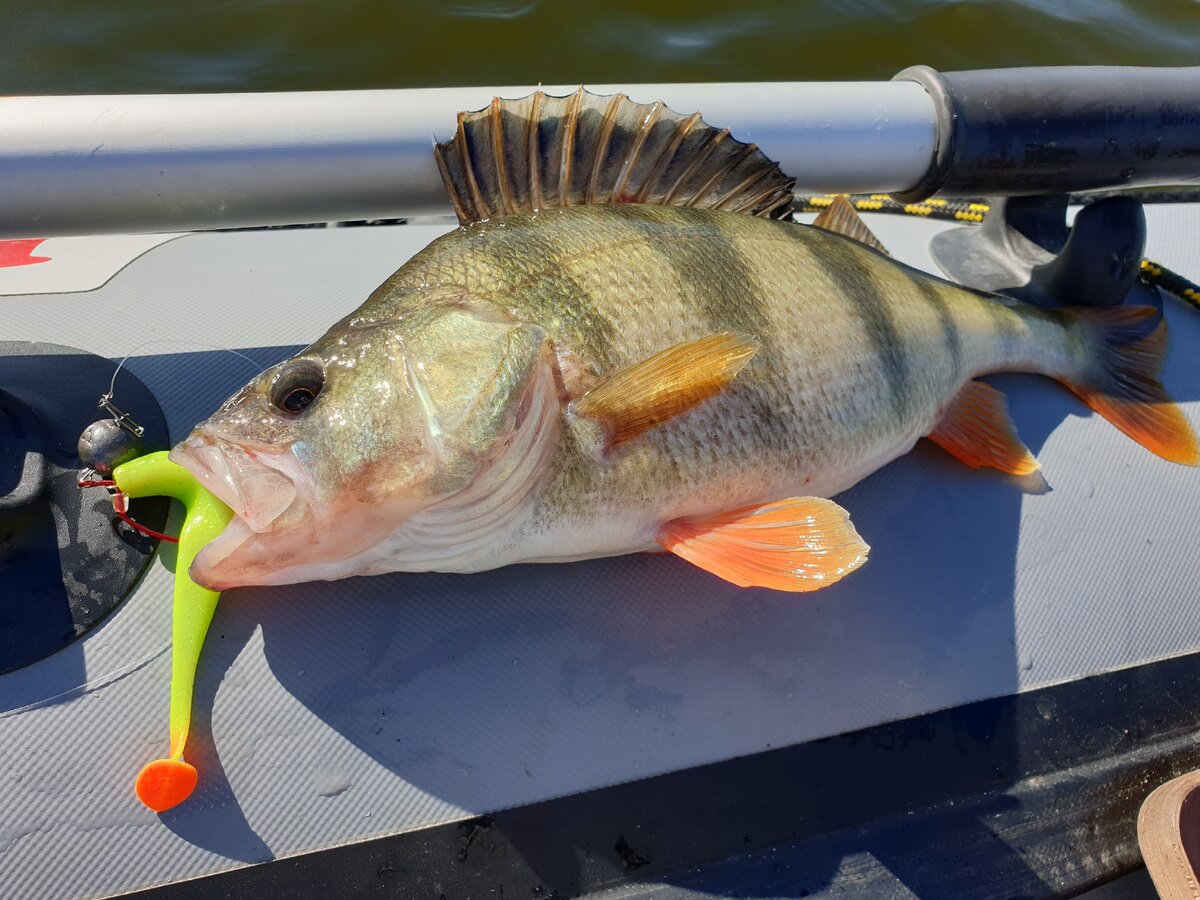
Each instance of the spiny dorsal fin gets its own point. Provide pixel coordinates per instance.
(542, 152)
(669, 383)
(841, 216)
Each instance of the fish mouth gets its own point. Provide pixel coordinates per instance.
(263, 488)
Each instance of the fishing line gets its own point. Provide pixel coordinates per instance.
(112, 383)
(124, 419)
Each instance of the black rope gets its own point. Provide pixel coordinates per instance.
(1153, 273)
(1172, 282)
(955, 210)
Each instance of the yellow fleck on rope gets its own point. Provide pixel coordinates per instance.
(1171, 282)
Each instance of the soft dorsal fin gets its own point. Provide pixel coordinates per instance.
(634, 400)
(542, 152)
(976, 430)
(842, 217)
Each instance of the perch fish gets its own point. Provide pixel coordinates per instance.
(627, 346)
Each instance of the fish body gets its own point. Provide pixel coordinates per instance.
(858, 357)
(621, 351)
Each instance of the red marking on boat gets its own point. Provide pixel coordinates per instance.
(20, 253)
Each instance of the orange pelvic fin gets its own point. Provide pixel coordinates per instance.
(798, 544)
(1121, 383)
(976, 430)
(636, 399)
(840, 216)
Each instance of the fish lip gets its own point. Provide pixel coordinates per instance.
(220, 466)
(201, 456)
(206, 566)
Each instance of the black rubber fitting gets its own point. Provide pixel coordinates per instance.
(1060, 129)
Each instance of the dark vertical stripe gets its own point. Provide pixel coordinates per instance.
(950, 336)
(534, 255)
(713, 274)
(719, 282)
(1007, 325)
(849, 267)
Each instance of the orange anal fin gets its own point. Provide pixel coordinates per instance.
(976, 430)
(659, 388)
(841, 217)
(798, 544)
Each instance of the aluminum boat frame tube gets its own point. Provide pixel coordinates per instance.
(124, 164)
(94, 164)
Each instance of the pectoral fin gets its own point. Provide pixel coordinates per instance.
(798, 544)
(840, 216)
(976, 429)
(634, 400)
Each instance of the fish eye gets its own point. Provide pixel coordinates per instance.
(297, 386)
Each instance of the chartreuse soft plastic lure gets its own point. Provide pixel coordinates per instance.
(164, 783)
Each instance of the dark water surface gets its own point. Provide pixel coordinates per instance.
(104, 46)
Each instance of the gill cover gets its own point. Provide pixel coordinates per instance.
(473, 369)
(407, 414)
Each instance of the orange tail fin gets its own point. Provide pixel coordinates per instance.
(1124, 347)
